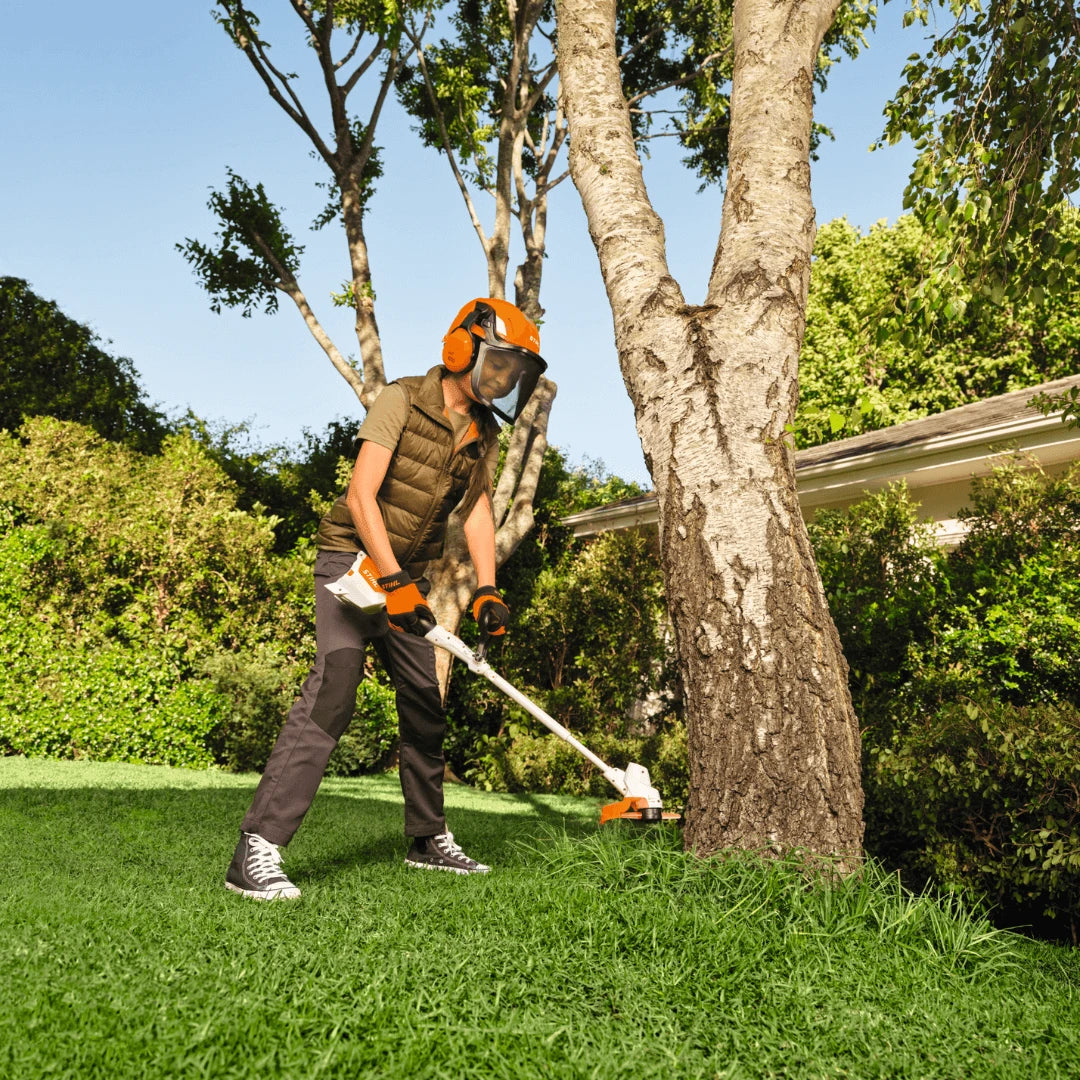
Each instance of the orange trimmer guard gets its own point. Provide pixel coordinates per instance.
(634, 809)
(624, 808)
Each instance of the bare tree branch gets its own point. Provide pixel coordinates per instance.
(308, 19)
(557, 181)
(249, 43)
(393, 66)
(643, 40)
(444, 137)
(541, 86)
(344, 368)
(339, 64)
(365, 64)
(288, 284)
(674, 134)
(521, 466)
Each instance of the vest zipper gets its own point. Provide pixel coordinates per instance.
(436, 500)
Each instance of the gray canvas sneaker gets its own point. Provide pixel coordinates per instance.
(255, 870)
(442, 853)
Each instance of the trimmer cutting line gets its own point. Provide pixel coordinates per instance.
(640, 801)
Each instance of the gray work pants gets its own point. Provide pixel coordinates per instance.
(325, 707)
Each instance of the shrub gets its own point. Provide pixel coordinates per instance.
(126, 583)
(150, 545)
(983, 795)
(883, 576)
(105, 703)
(592, 642)
(1015, 629)
(259, 688)
(591, 646)
(965, 674)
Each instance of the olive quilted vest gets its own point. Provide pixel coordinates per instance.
(426, 479)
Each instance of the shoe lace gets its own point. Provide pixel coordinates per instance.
(264, 858)
(449, 845)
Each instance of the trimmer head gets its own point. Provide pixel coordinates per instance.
(642, 802)
(638, 810)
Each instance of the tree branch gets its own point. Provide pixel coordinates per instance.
(252, 48)
(557, 181)
(606, 168)
(540, 85)
(288, 284)
(521, 470)
(393, 66)
(675, 134)
(344, 368)
(643, 40)
(444, 136)
(712, 57)
(338, 65)
(304, 12)
(362, 68)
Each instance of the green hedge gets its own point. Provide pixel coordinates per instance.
(982, 795)
(106, 703)
(965, 670)
(143, 616)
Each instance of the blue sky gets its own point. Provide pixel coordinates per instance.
(116, 123)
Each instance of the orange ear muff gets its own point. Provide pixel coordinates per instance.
(459, 347)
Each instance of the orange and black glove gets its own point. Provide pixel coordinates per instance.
(405, 606)
(489, 611)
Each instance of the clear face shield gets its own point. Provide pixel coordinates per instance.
(505, 377)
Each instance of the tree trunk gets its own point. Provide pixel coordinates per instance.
(774, 741)
(367, 329)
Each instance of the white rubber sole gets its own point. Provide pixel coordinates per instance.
(448, 869)
(290, 893)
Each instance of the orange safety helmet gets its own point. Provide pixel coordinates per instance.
(510, 325)
(500, 346)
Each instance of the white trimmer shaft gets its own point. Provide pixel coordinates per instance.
(632, 782)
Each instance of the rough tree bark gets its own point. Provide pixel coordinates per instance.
(774, 741)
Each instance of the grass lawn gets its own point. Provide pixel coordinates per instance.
(586, 953)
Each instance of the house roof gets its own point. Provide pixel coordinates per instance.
(949, 446)
(995, 416)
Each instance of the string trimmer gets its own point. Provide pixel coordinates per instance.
(640, 801)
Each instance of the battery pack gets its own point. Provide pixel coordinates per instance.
(359, 588)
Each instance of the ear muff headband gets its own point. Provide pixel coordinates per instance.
(461, 344)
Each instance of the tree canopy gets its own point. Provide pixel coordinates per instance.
(993, 108)
(51, 365)
(851, 379)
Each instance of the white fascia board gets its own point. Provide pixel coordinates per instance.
(949, 532)
(949, 457)
(954, 456)
(605, 518)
